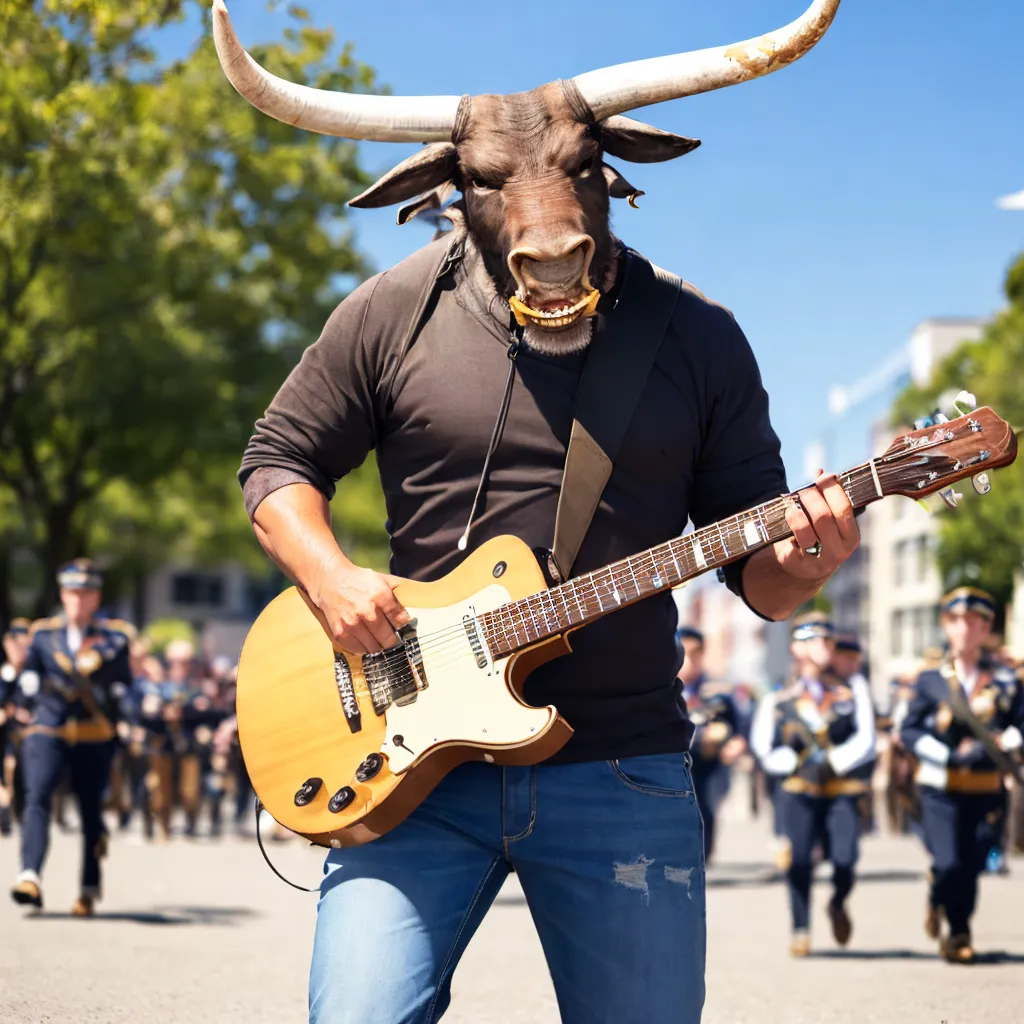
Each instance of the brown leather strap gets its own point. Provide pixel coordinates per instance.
(618, 364)
(961, 709)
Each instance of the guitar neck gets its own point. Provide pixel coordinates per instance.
(523, 623)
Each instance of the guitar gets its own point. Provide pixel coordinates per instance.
(341, 748)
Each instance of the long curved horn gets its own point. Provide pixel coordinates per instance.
(628, 86)
(350, 115)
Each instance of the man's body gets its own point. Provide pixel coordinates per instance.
(552, 823)
(848, 665)
(961, 786)
(718, 738)
(817, 736)
(76, 677)
(605, 837)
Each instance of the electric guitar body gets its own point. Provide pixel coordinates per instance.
(309, 749)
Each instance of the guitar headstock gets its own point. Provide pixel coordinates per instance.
(932, 458)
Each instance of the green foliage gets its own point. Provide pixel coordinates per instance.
(982, 543)
(166, 251)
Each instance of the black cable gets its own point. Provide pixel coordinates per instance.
(259, 842)
(516, 334)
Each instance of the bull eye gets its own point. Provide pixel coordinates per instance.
(584, 167)
(482, 184)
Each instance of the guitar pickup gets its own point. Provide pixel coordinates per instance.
(475, 643)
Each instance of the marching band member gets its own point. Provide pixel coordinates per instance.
(963, 724)
(75, 679)
(818, 737)
(718, 731)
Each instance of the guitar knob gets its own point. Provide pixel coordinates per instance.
(950, 497)
(307, 791)
(370, 767)
(341, 799)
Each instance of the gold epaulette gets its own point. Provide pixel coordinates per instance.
(53, 622)
(118, 626)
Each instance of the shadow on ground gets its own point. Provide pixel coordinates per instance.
(217, 916)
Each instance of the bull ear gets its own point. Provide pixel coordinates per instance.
(618, 187)
(641, 143)
(433, 165)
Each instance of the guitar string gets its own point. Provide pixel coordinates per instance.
(455, 635)
(607, 575)
(604, 583)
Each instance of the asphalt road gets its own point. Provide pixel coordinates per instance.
(201, 931)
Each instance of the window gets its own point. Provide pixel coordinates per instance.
(197, 588)
(919, 631)
(896, 633)
(899, 558)
(924, 557)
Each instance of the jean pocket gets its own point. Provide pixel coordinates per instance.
(656, 774)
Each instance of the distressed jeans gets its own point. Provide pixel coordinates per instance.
(610, 858)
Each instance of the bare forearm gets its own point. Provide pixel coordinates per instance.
(771, 590)
(293, 524)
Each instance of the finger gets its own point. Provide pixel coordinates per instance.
(355, 638)
(798, 521)
(391, 606)
(377, 623)
(842, 509)
(822, 521)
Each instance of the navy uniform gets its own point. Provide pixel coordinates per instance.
(961, 786)
(817, 737)
(716, 719)
(12, 657)
(75, 682)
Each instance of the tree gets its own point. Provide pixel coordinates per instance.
(166, 251)
(982, 543)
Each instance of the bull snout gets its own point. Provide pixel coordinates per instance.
(555, 275)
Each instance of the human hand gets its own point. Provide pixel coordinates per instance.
(360, 608)
(733, 749)
(822, 521)
(968, 751)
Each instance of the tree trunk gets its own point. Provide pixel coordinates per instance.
(139, 601)
(6, 598)
(59, 545)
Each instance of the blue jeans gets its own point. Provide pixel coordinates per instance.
(610, 858)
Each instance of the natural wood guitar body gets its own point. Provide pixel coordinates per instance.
(292, 724)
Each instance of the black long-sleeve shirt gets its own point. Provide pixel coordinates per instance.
(699, 446)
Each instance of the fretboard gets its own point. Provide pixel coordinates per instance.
(583, 599)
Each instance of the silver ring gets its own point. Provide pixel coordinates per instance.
(814, 550)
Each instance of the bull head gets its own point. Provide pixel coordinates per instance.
(531, 165)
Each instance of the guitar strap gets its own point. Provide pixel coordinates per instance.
(962, 710)
(619, 361)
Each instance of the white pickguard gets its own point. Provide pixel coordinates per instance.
(462, 701)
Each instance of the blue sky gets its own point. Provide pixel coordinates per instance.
(832, 206)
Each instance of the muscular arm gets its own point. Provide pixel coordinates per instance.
(293, 524)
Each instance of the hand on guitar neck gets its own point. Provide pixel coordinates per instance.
(778, 579)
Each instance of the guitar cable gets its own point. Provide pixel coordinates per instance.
(258, 805)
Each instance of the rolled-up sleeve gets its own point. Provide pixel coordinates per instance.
(322, 422)
(740, 462)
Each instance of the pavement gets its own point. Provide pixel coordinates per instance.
(200, 931)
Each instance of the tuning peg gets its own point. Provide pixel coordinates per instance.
(950, 497)
(981, 483)
(940, 417)
(965, 402)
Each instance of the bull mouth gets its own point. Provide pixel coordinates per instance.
(556, 315)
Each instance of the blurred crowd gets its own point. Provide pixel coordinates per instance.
(177, 764)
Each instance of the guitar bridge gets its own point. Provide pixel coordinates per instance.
(396, 676)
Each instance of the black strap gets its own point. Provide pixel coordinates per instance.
(619, 361)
